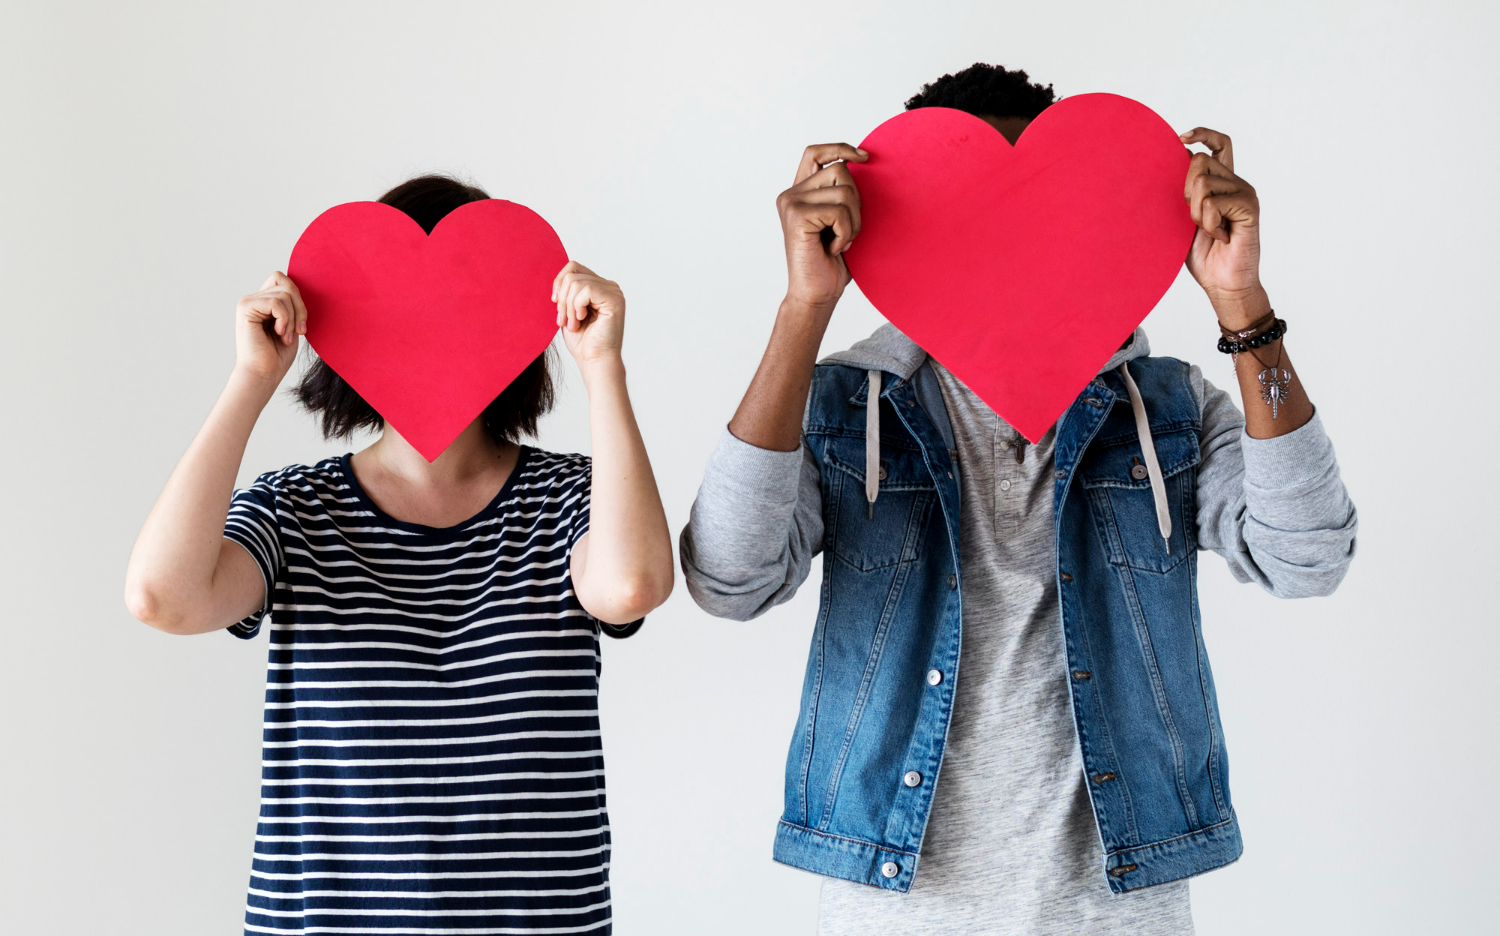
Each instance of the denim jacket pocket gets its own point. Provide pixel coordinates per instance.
(893, 533)
(1124, 507)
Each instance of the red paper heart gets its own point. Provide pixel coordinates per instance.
(1022, 269)
(428, 330)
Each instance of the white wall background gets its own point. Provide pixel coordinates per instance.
(156, 162)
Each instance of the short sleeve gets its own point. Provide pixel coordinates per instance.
(583, 485)
(579, 525)
(252, 523)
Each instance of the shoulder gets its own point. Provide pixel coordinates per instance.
(555, 470)
(298, 485)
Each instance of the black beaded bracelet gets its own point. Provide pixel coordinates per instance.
(1240, 346)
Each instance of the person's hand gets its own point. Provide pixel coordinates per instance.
(267, 325)
(822, 199)
(1225, 256)
(590, 312)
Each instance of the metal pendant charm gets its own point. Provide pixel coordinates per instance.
(1274, 385)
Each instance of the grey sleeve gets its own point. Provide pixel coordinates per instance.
(754, 529)
(1275, 509)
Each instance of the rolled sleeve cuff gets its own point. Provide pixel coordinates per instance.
(751, 473)
(1301, 457)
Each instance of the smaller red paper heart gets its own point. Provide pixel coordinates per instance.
(428, 329)
(1022, 269)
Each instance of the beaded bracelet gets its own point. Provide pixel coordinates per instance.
(1275, 380)
(1240, 342)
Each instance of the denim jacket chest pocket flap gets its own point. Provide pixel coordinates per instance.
(1120, 498)
(900, 513)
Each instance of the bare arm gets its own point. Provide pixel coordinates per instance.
(822, 198)
(184, 577)
(622, 567)
(1225, 260)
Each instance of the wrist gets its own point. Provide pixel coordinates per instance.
(1240, 309)
(807, 310)
(246, 383)
(601, 367)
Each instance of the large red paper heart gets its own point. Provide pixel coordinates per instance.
(428, 330)
(1022, 269)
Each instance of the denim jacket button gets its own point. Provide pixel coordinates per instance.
(952, 581)
(912, 778)
(934, 677)
(890, 869)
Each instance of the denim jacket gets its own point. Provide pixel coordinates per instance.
(890, 614)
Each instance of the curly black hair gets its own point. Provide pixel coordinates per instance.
(986, 91)
(341, 411)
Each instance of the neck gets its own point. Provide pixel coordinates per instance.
(472, 454)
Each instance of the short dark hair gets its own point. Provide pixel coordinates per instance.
(986, 91)
(514, 413)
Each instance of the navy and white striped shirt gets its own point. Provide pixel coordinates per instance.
(432, 760)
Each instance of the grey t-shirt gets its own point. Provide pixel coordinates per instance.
(1011, 844)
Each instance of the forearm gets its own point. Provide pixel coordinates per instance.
(1263, 421)
(627, 564)
(770, 415)
(171, 572)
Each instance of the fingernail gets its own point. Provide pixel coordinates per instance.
(860, 151)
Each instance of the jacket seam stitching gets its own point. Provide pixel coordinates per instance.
(1177, 838)
(843, 838)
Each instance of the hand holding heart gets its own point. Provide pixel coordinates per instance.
(590, 312)
(1225, 257)
(823, 197)
(267, 324)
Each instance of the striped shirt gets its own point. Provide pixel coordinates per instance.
(432, 760)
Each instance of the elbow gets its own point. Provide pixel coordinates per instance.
(639, 596)
(1319, 582)
(146, 604)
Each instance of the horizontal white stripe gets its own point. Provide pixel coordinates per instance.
(306, 608)
(280, 627)
(425, 895)
(307, 743)
(320, 647)
(408, 931)
(428, 856)
(384, 912)
(464, 817)
(391, 800)
(419, 684)
(580, 754)
(476, 778)
(435, 722)
(452, 837)
(425, 667)
(425, 875)
(498, 580)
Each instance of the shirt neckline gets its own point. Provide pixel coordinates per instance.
(385, 519)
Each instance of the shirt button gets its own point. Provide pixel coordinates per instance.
(934, 677)
(912, 778)
(952, 581)
(890, 869)
(1005, 485)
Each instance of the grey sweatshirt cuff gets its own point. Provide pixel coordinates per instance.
(1300, 459)
(748, 473)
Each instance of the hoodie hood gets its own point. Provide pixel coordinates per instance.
(889, 351)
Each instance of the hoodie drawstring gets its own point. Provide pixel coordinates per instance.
(872, 445)
(1148, 450)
